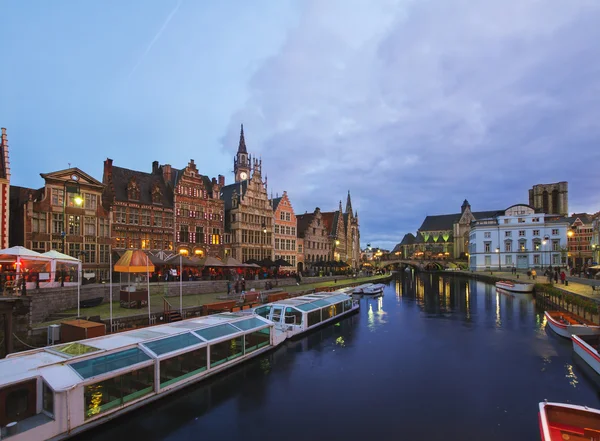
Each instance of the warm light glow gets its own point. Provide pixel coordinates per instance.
(570, 233)
(78, 200)
(198, 252)
(183, 252)
(543, 242)
(337, 242)
(497, 250)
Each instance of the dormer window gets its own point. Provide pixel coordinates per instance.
(133, 191)
(156, 195)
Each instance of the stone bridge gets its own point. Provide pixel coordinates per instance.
(439, 264)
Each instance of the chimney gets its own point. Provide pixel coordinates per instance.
(214, 181)
(107, 177)
(167, 172)
(154, 167)
(4, 152)
(221, 181)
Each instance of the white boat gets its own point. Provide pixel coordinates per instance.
(301, 314)
(566, 324)
(56, 392)
(587, 348)
(360, 288)
(374, 289)
(559, 422)
(515, 286)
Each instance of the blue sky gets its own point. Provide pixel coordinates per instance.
(412, 105)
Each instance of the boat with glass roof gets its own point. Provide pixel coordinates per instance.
(301, 314)
(58, 391)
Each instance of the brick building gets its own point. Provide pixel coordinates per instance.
(579, 239)
(199, 211)
(248, 210)
(4, 190)
(141, 207)
(317, 240)
(78, 225)
(285, 224)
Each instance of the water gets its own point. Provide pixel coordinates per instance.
(434, 359)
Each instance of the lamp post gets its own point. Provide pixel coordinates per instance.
(570, 234)
(262, 242)
(544, 242)
(499, 263)
(70, 186)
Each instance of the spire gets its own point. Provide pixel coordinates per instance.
(464, 206)
(242, 145)
(341, 211)
(348, 204)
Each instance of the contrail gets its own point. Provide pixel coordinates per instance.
(155, 39)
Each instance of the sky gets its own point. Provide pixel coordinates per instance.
(411, 105)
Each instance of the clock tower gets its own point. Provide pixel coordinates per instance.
(241, 162)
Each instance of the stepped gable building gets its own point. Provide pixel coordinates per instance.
(550, 198)
(199, 211)
(317, 240)
(141, 208)
(285, 224)
(580, 240)
(4, 190)
(248, 210)
(448, 234)
(43, 220)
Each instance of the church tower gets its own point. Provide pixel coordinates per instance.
(241, 162)
(349, 204)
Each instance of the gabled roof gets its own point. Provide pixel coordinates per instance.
(408, 239)
(65, 175)
(327, 219)
(144, 181)
(227, 192)
(583, 217)
(304, 221)
(275, 203)
(177, 174)
(446, 221)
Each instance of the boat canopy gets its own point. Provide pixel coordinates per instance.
(66, 365)
(310, 302)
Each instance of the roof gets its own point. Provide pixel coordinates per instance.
(227, 192)
(144, 181)
(447, 221)
(303, 221)
(408, 239)
(313, 301)
(275, 202)
(583, 217)
(65, 365)
(328, 218)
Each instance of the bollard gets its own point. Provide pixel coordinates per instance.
(517, 276)
(566, 282)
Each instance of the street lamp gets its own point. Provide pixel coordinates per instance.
(70, 186)
(570, 234)
(499, 263)
(544, 242)
(262, 242)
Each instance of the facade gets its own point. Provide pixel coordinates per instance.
(248, 210)
(550, 198)
(4, 191)
(406, 249)
(318, 247)
(141, 208)
(351, 226)
(517, 237)
(199, 211)
(580, 240)
(78, 225)
(285, 224)
(596, 238)
(447, 235)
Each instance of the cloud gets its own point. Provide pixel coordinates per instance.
(155, 38)
(416, 105)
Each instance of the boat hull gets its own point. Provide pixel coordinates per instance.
(566, 330)
(296, 335)
(586, 352)
(575, 420)
(524, 288)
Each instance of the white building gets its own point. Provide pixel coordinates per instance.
(518, 237)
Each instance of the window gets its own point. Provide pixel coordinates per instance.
(487, 247)
(215, 239)
(487, 235)
(536, 232)
(157, 219)
(199, 235)
(145, 218)
(134, 216)
(104, 228)
(508, 260)
(90, 253)
(282, 216)
(521, 233)
(120, 215)
(75, 250)
(508, 246)
(507, 233)
(536, 259)
(104, 254)
(184, 234)
(47, 399)
(57, 196)
(488, 260)
(225, 351)
(556, 245)
(57, 223)
(90, 201)
(287, 216)
(276, 229)
(292, 316)
(182, 366)
(39, 247)
(89, 226)
(555, 231)
(535, 219)
(74, 225)
(38, 222)
(257, 339)
(521, 220)
(300, 248)
(507, 221)
(276, 243)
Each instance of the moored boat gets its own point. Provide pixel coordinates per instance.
(566, 324)
(58, 391)
(559, 422)
(301, 314)
(360, 288)
(515, 286)
(586, 346)
(374, 289)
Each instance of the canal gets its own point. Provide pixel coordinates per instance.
(435, 358)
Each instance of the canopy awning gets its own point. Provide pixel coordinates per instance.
(234, 263)
(134, 261)
(212, 262)
(18, 252)
(179, 259)
(53, 254)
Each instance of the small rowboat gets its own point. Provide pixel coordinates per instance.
(566, 324)
(515, 286)
(560, 422)
(586, 346)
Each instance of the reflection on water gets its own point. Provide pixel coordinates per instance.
(401, 361)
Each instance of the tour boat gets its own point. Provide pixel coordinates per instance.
(559, 422)
(58, 391)
(566, 324)
(360, 288)
(374, 289)
(586, 346)
(515, 286)
(301, 314)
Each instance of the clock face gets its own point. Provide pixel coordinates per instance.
(243, 175)
(75, 177)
